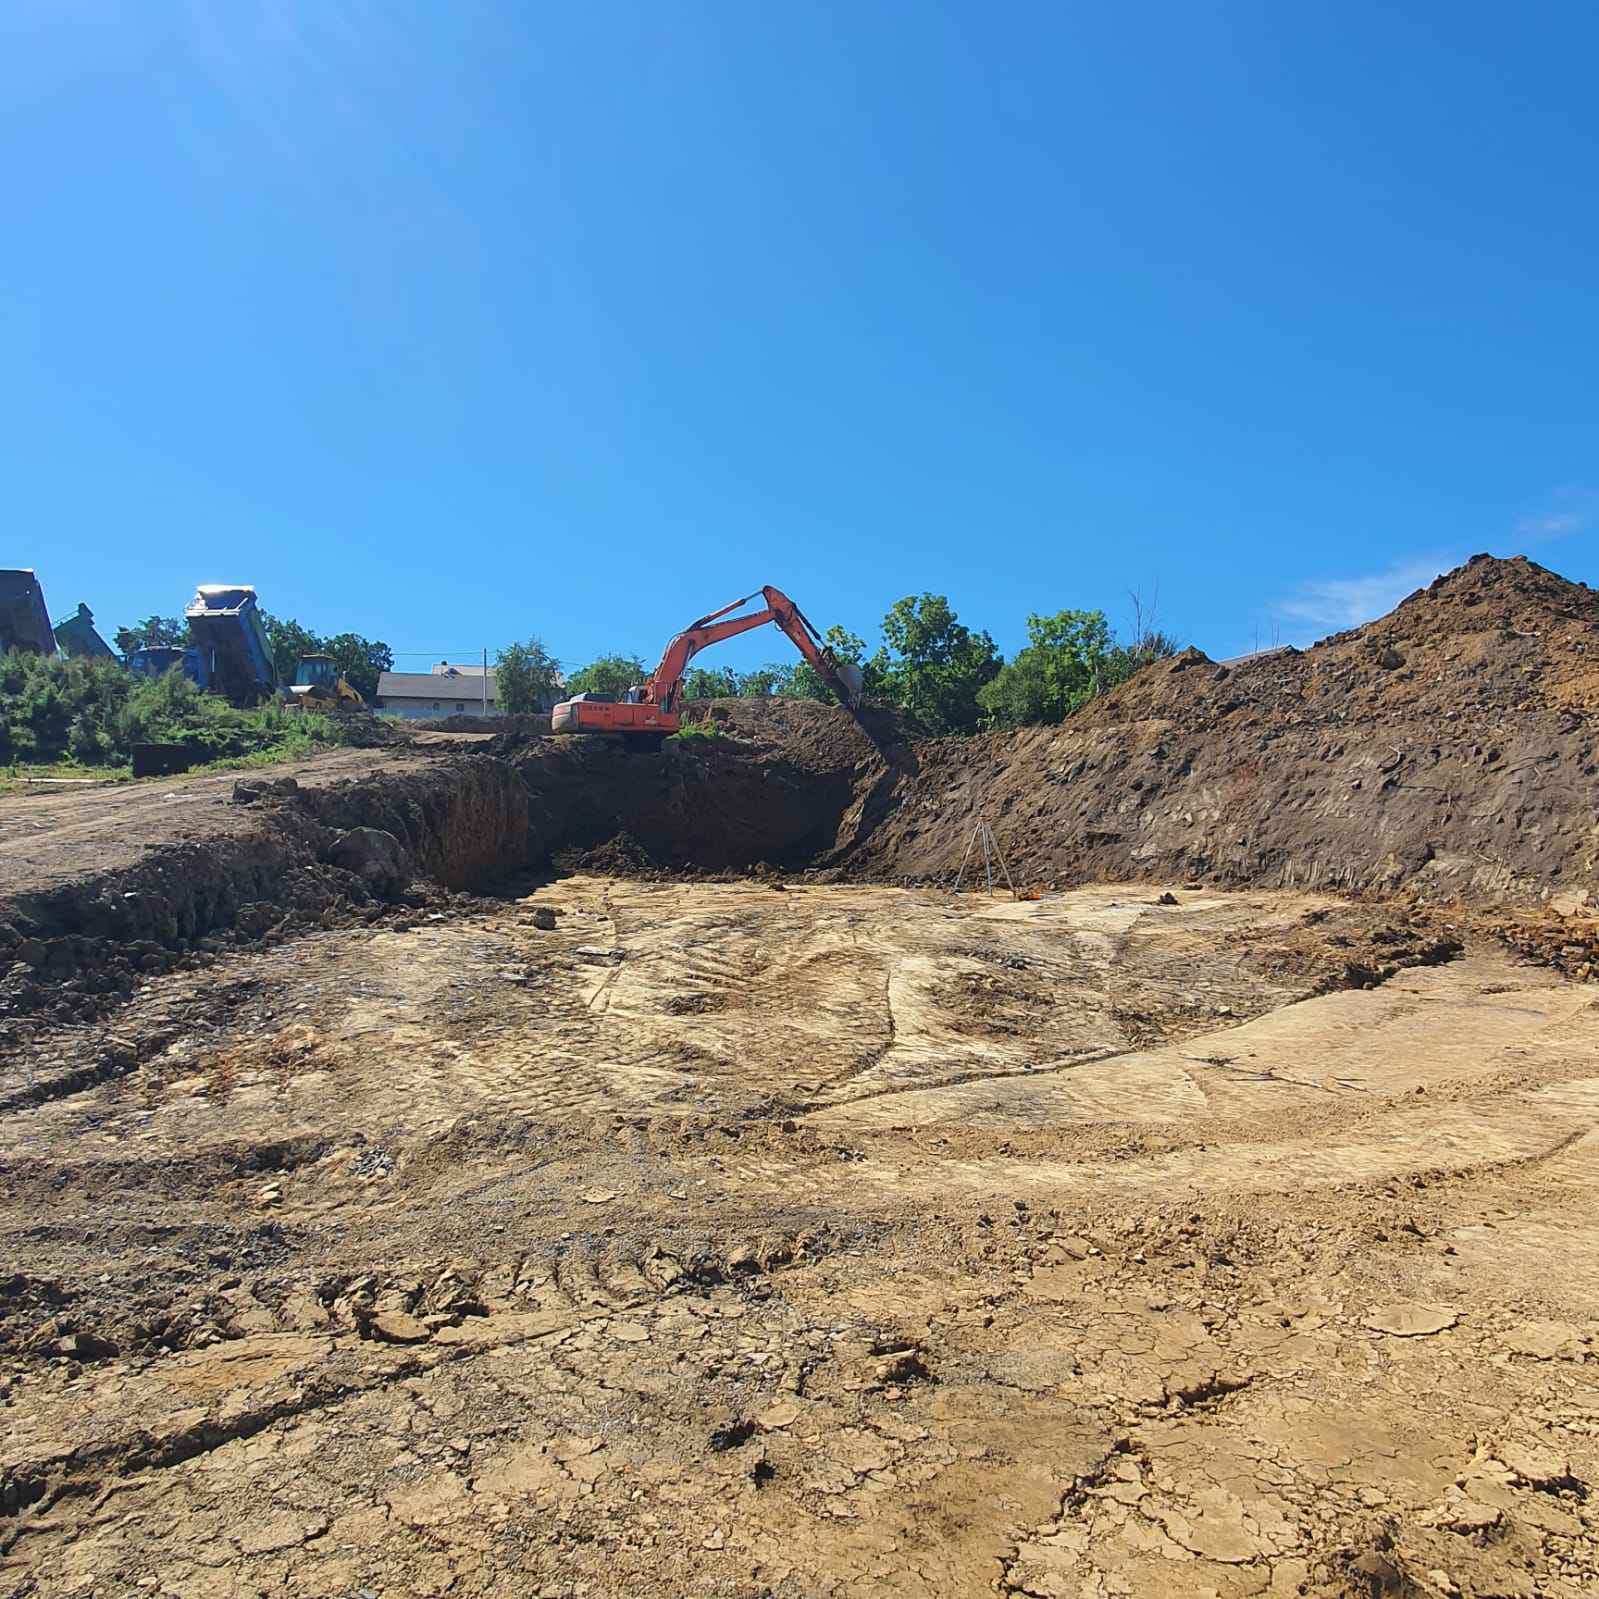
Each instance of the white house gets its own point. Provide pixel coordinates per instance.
(445, 691)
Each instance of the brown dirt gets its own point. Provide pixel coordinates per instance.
(773, 1236)
(55, 837)
(832, 1241)
(1446, 752)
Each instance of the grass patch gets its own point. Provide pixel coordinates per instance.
(699, 733)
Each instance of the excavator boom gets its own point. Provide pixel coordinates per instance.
(647, 714)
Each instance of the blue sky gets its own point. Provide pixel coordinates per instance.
(454, 322)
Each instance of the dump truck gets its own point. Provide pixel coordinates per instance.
(24, 621)
(78, 637)
(225, 626)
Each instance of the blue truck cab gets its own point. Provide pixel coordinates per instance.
(154, 659)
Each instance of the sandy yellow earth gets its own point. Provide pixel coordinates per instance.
(732, 1239)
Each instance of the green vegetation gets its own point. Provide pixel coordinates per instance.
(91, 714)
(527, 678)
(610, 674)
(951, 679)
(698, 733)
(153, 631)
(701, 683)
(360, 660)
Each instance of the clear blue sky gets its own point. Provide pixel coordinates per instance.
(454, 322)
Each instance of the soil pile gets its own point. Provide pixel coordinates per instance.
(1490, 637)
(822, 738)
(1445, 750)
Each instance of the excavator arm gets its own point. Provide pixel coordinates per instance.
(666, 683)
(650, 712)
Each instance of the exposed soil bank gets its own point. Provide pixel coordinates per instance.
(464, 823)
(1446, 752)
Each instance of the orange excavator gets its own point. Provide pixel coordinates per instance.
(645, 715)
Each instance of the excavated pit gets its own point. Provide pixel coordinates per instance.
(1444, 754)
(549, 1170)
(467, 823)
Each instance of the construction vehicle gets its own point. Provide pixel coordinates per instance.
(78, 637)
(319, 684)
(24, 621)
(225, 626)
(647, 714)
(151, 660)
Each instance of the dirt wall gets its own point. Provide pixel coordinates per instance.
(467, 823)
(1447, 750)
(1506, 813)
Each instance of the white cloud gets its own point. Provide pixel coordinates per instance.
(1336, 603)
(1570, 510)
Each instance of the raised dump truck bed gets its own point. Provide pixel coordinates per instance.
(24, 621)
(225, 625)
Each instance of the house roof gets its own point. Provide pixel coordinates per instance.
(433, 686)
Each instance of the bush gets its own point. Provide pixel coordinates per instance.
(94, 712)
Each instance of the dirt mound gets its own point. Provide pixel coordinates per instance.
(1490, 636)
(360, 730)
(820, 737)
(1445, 750)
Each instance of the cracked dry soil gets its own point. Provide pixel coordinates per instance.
(828, 1241)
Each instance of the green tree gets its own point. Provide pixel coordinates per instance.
(802, 681)
(933, 665)
(764, 681)
(153, 631)
(1069, 658)
(610, 674)
(289, 641)
(711, 683)
(527, 678)
(361, 661)
(1063, 665)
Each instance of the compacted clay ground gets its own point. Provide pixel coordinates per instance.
(791, 1239)
(385, 1216)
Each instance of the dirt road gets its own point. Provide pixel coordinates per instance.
(738, 1240)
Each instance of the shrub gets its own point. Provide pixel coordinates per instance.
(94, 712)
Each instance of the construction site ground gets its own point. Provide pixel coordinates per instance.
(790, 1238)
(56, 834)
(504, 1165)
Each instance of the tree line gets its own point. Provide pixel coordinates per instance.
(360, 660)
(929, 663)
